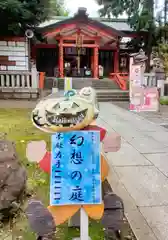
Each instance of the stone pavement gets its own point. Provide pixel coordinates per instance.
(160, 118)
(139, 171)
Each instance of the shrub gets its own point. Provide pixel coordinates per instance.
(164, 100)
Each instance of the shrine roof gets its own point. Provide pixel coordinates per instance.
(118, 24)
(115, 25)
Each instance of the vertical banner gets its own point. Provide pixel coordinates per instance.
(135, 84)
(141, 98)
(67, 84)
(136, 76)
(75, 168)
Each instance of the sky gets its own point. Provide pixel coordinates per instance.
(92, 7)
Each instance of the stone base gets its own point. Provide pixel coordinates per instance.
(75, 220)
(18, 93)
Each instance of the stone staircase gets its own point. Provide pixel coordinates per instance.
(112, 95)
(79, 83)
(104, 84)
(107, 90)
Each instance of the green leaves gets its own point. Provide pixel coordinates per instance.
(137, 11)
(18, 15)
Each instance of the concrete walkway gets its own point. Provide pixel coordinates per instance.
(139, 171)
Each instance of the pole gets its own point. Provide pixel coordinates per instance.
(150, 7)
(84, 226)
(29, 52)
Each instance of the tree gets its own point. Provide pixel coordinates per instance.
(140, 16)
(163, 55)
(138, 11)
(18, 15)
(58, 8)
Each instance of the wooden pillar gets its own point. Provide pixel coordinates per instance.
(61, 59)
(96, 62)
(116, 61)
(92, 64)
(41, 80)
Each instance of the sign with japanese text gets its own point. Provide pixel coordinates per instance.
(136, 76)
(75, 168)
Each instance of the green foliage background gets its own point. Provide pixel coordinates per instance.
(18, 15)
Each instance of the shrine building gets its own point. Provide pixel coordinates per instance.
(77, 46)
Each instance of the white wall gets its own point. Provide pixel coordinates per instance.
(14, 54)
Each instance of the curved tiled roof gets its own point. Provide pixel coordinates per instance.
(118, 24)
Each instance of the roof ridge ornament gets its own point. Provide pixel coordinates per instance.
(82, 12)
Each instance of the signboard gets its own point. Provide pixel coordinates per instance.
(144, 99)
(75, 168)
(141, 98)
(136, 76)
(73, 51)
(67, 84)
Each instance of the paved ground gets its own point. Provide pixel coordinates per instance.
(17, 104)
(160, 118)
(139, 171)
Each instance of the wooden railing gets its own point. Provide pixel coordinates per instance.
(121, 79)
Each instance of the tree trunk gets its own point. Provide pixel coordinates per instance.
(150, 7)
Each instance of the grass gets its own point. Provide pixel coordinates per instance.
(164, 100)
(17, 124)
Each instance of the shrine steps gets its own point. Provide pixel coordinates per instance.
(107, 90)
(112, 95)
(78, 83)
(105, 84)
(103, 95)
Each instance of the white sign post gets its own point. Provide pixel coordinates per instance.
(84, 226)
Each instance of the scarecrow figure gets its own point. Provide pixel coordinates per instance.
(75, 111)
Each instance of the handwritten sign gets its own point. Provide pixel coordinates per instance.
(75, 168)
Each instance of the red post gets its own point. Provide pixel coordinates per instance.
(96, 62)
(61, 59)
(116, 61)
(41, 80)
(92, 64)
